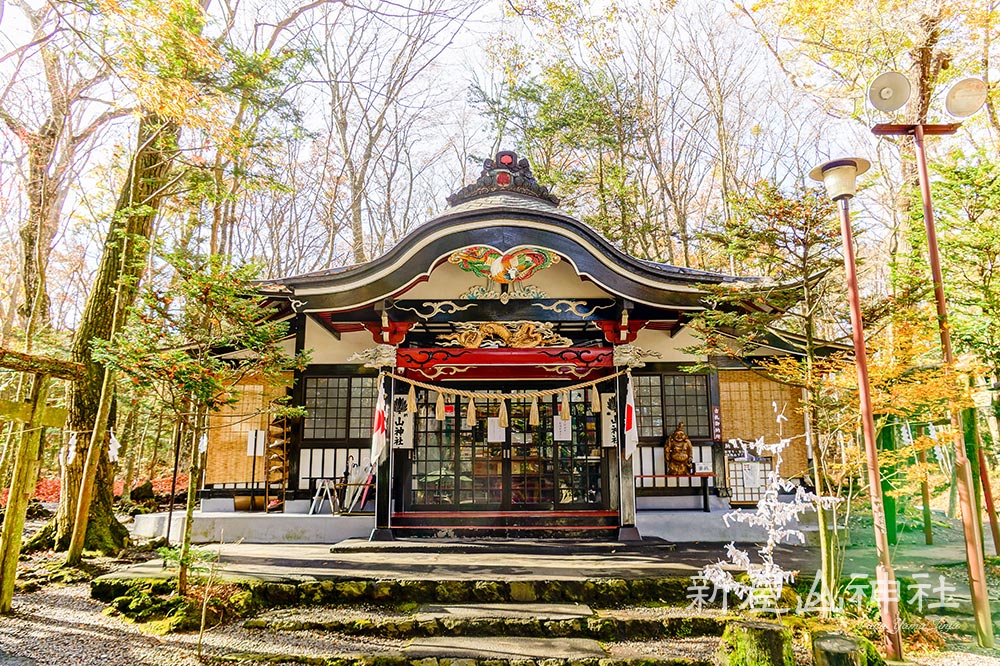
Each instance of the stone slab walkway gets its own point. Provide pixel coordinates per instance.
(514, 611)
(429, 560)
(505, 648)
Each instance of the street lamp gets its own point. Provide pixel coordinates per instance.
(888, 93)
(840, 178)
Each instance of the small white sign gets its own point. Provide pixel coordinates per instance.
(562, 431)
(494, 433)
(402, 429)
(255, 442)
(703, 468)
(609, 420)
(751, 475)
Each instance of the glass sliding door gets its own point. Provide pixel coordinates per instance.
(555, 465)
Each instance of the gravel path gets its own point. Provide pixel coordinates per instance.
(956, 659)
(64, 627)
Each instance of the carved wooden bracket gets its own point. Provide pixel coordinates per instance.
(391, 333)
(617, 334)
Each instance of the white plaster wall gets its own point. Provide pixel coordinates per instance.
(669, 347)
(324, 348)
(256, 527)
(287, 345)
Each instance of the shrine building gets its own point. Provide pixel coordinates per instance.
(506, 337)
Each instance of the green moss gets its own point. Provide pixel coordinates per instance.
(522, 591)
(385, 590)
(107, 588)
(452, 591)
(353, 590)
(755, 644)
(869, 653)
(242, 603)
(270, 595)
(612, 591)
(489, 591)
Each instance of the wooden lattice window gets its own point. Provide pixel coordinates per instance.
(663, 401)
(339, 408)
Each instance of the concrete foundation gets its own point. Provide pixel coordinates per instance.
(228, 526)
(701, 527)
(678, 519)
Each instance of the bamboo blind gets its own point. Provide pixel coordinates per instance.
(227, 460)
(747, 401)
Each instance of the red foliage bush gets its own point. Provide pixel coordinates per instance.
(47, 490)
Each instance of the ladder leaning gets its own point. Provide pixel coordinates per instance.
(325, 489)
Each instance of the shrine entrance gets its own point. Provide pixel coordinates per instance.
(555, 465)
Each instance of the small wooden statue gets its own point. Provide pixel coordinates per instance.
(678, 451)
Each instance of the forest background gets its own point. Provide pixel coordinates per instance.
(140, 138)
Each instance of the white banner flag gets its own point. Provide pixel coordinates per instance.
(631, 422)
(378, 426)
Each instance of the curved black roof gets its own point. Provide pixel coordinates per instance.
(504, 213)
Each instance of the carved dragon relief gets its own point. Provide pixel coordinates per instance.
(513, 334)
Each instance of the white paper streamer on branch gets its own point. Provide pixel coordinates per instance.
(71, 449)
(114, 446)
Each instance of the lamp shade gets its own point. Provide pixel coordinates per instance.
(840, 176)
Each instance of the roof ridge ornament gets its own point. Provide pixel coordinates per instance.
(504, 173)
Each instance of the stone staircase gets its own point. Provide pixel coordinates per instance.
(526, 633)
(441, 603)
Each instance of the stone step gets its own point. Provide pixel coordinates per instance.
(495, 620)
(537, 612)
(507, 651)
(502, 647)
(269, 593)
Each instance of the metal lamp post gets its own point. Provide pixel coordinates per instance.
(840, 178)
(964, 99)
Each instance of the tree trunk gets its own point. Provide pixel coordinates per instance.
(756, 643)
(22, 487)
(833, 648)
(122, 263)
(133, 444)
(192, 499)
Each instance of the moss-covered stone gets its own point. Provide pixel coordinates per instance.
(452, 591)
(107, 588)
(272, 595)
(353, 590)
(385, 591)
(602, 628)
(870, 653)
(418, 591)
(242, 603)
(612, 591)
(523, 591)
(755, 644)
(489, 591)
